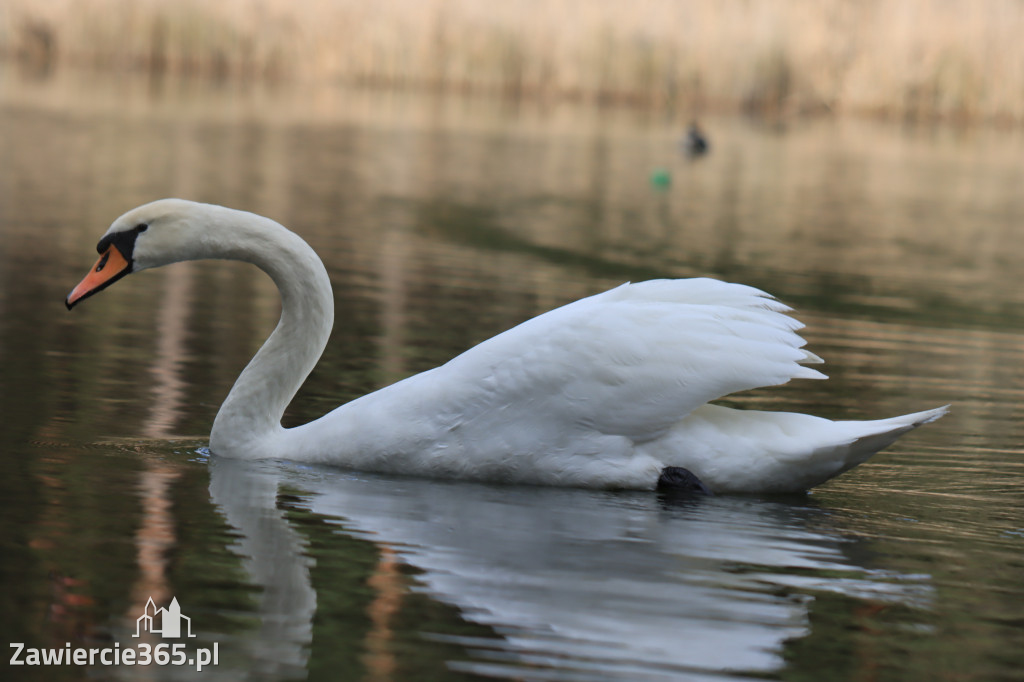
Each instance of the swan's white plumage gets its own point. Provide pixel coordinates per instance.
(603, 392)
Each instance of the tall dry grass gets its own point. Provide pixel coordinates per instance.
(916, 58)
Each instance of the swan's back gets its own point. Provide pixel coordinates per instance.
(634, 360)
(580, 394)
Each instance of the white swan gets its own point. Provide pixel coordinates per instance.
(611, 391)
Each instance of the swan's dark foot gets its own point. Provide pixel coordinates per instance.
(677, 481)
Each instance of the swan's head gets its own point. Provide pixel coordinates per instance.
(154, 234)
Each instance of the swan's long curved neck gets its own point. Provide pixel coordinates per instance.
(250, 417)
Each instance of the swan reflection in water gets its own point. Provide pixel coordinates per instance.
(573, 582)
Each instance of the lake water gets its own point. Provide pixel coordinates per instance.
(442, 222)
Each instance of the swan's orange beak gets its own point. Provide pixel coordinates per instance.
(111, 267)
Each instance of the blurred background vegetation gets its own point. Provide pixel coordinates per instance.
(961, 60)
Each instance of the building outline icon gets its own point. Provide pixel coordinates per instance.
(170, 620)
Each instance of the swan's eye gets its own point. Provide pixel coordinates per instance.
(103, 261)
(124, 240)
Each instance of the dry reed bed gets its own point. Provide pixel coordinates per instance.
(914, 58)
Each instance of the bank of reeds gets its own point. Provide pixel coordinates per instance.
(914, 58)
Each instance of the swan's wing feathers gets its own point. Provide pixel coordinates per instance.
(635, 360)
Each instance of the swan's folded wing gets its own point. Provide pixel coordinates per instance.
(636, 359)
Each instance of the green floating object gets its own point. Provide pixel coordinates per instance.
(661, 177)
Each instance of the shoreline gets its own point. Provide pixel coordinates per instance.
(919, 60)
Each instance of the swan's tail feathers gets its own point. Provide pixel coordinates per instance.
(909, 421)
(750, 451)
(879, 434)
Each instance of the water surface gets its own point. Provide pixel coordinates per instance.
(441, 223)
